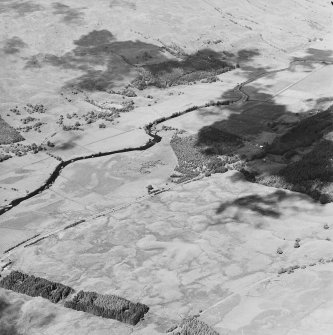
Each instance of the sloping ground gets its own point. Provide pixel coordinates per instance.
(299, 303)
(188, 249)
(96, 59)
(100, 48)
(184, 250)
(8, 134)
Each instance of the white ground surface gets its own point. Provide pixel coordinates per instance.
(178, 252)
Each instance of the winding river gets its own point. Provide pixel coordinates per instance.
(243, 97)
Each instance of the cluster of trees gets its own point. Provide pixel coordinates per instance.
(192, 160)
(19, 149)
(108, 306)
(179, 113)
(35, 127)
(127, 92)
(38, 108)
(151, 125)
(30, 109)
(76, 126)
(193, 326)
(212, 79)
(216, 165)
(50, 144)
(28, 119)
(15, 110)
(35, 286)
(201, 65)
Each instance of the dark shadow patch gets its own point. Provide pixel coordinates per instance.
(13, 45)
(67, 145)
(69, 15)
(246, 55)
(307, 132)
(243, 59)
(9, 314)
(242, 56)
(141, 63)
(272, 146)
(255, 95)
(95, 38)
(313, 172)
(19, 7)
(3, 306)
(214, 141)
(123, 4)
(253, 71)
(315, 55)
(93, 51)
(323, 100)
(246, 122)
(264, 205)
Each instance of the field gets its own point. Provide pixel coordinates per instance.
(179, 263)
(218, 217)
(85, 188)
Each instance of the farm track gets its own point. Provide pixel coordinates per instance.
(244, 97)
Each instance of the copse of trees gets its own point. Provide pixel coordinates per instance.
(185, 71)
(35, 286)
(193, 326)
(108, 306)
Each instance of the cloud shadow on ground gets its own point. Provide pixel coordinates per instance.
(104, 62)
(8, 317)
(267, 205)
(19, 7)
(123, 3)
(13, 45)
(273, 146)
(69, 15)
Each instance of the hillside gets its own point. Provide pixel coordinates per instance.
(167, 165)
